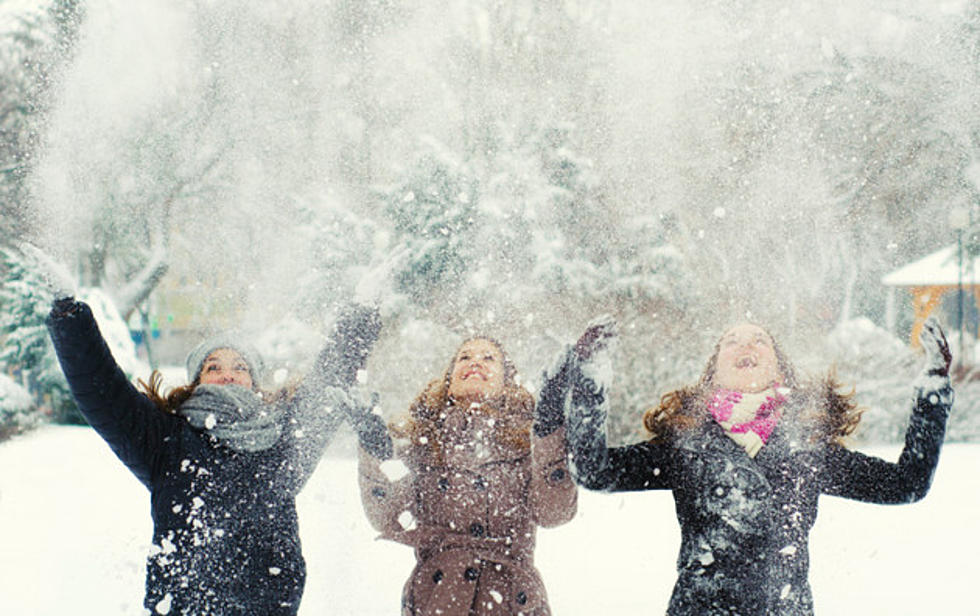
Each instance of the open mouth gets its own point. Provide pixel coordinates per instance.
(474, 373)
(746, 361)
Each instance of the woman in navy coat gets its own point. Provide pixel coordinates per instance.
(747, 452)
(223, 461)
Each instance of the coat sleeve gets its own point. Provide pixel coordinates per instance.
(595, 465)
(389, 501)
(128, 421)
(640, 466)
(313, 414)
(866, 478)
(311, 424)
(553, 495)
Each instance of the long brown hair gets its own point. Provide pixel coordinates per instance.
(170, 401)
(512, 410)
(820, 404)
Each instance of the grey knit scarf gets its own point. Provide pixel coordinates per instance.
(235, 416)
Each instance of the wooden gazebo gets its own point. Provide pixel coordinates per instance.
(929, 279)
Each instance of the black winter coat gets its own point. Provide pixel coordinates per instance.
(225, 531)
(745, 521)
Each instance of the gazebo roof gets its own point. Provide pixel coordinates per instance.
(937, 269)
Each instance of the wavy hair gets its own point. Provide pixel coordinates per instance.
(512, 410)
(170, 401)
(827, 412)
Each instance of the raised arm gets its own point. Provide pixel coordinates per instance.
(866, 478)
(127, 420)
(322, 402)
(388, 496)
(553, 495)
(643, 466)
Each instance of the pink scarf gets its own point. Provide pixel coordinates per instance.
(725, 402)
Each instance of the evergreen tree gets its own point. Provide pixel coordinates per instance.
(432, 211)
(17, 408)
(35, 43)
(23, 46)
(340, 251)
(26, 347)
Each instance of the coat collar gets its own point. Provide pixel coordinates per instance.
(711, 437)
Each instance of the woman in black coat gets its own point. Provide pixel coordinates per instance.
(223, 462)
(747, 452)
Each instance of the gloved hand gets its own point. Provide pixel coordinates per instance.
(355, 331)
(549, 413)
(597, 336)
(932, 385)
(566, 374)
(358, 323)
(372, 433)
(933, 341)
(53, 276)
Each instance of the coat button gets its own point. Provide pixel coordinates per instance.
(476, 529)
(521, 598)
(442, 484)
(379, 492)
(557, 475)
(480, 484)
(437, 576)
(471, 573)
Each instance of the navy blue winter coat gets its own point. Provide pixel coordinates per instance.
(744, 521)
(225, 531)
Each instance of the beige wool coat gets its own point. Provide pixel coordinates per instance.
(471, 514)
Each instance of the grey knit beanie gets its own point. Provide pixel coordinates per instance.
(195, 359)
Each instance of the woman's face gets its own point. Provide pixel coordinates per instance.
(478, 371)
(746, 360)
(225, 367)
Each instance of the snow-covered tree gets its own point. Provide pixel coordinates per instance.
(512, 167)
(25, 299)
(432, 212)
(37, 40)
(341, 249)
(26, 349)
(17, 408)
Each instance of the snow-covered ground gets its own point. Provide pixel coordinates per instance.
(74, 528)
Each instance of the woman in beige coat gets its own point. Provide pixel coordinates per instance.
(479, 481)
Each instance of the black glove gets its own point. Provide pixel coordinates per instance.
(372, 433)
(566, 374)
(64, 306)
(586, 392)
(549, 414)
(933, 341)
(586, 433)
(355, 331)
(596, 337)
(359, 324)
